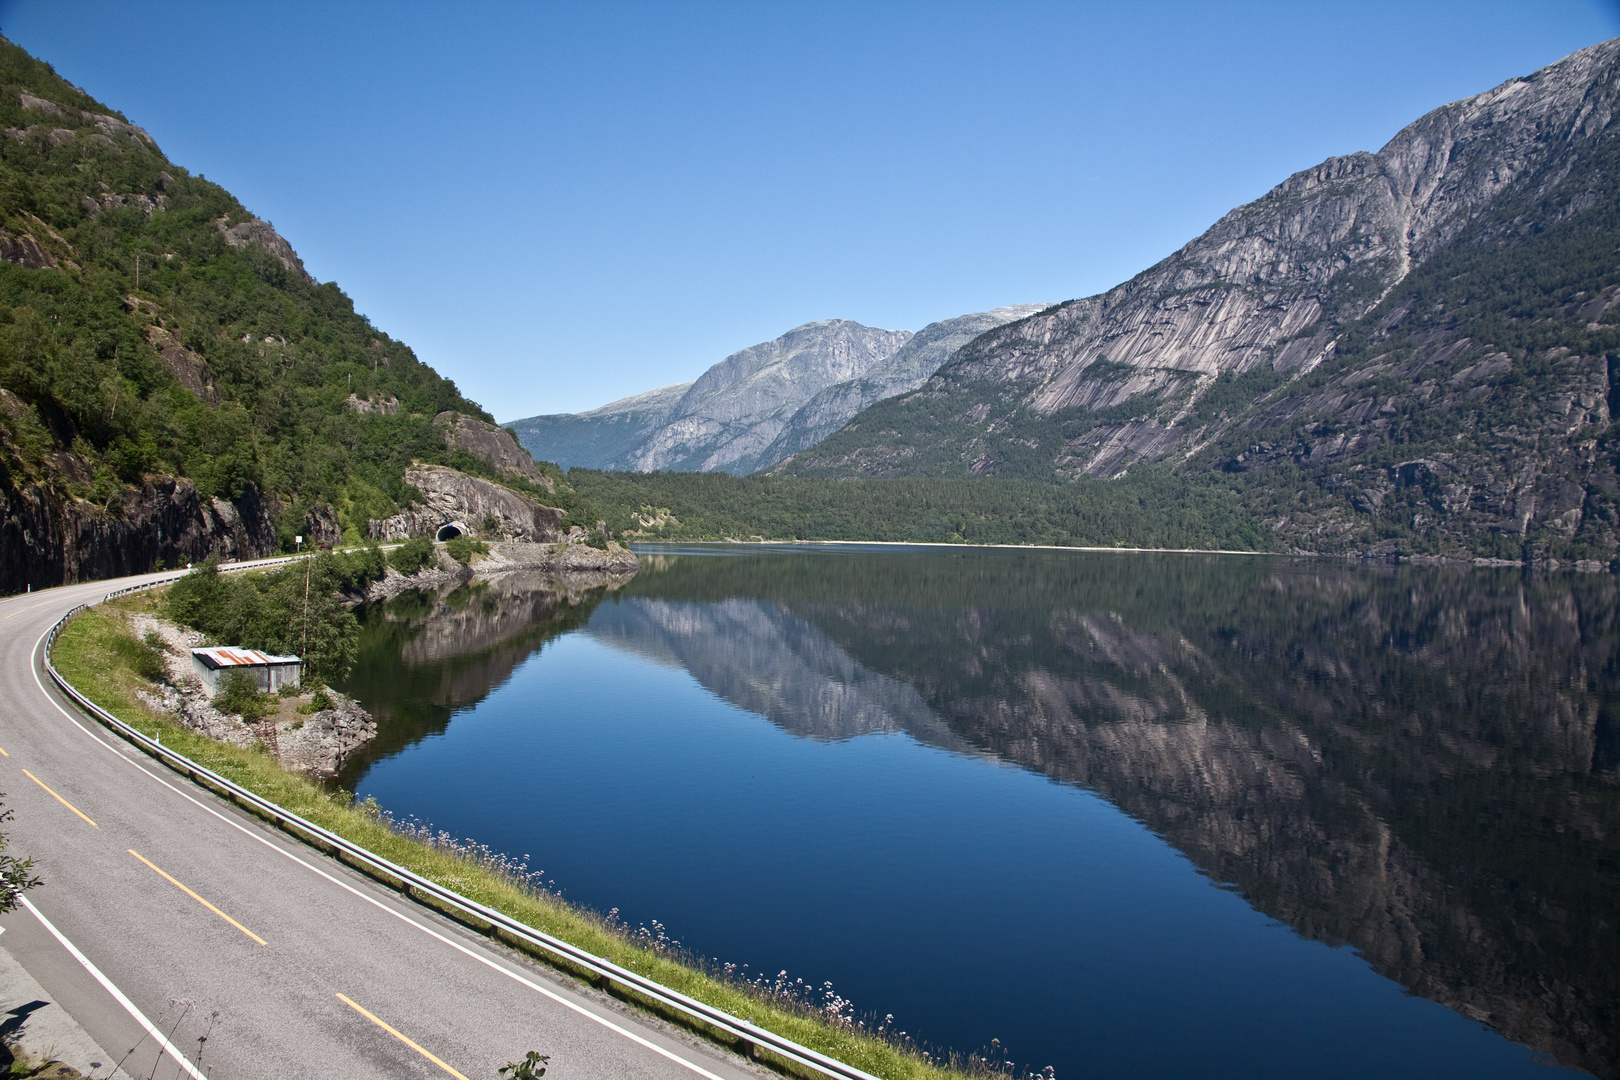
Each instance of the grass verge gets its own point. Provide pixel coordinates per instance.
(89, 653)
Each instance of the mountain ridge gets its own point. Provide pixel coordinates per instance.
(1220, 358)
(760, 403)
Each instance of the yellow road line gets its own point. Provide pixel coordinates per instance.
(400, 1037)
(3, 752)
(14, 614)
(199, 899)
(59, 798)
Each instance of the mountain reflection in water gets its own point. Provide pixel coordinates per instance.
(1420, 762)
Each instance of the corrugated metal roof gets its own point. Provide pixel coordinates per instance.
(224, 656)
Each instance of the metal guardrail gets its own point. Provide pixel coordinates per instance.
(750, 1039)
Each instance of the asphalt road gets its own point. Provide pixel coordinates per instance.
(187, 907)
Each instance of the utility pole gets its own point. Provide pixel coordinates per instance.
(300, 541)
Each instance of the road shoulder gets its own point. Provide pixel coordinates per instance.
(35, 1029)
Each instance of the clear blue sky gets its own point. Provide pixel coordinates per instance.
(561, 204)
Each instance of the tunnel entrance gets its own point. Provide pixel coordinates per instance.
(449, 531)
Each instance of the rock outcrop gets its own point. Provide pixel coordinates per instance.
(261, 234)
(496, 445)
(48, 538)
(188, 368)
(449, 496)
(107, 127)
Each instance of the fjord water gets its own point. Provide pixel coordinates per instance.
(1130, 815)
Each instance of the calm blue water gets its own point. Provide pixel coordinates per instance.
(740, 749)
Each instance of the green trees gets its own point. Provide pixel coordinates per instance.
(297, 609)
(1152, 508)
(16, 875)
(412, 555)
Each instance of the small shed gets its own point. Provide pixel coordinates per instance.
(270, 672)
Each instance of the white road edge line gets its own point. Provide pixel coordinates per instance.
(118, 995)
(487, 961)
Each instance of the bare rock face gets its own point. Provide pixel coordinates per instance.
(1270, 281)
(496, 445)
(321, 526)
(384, 406)
(106, 126)
(259, 233)
(449, 495)
(24, 250)
(188, 367)
(907, 369)
(320, 743)
(601, 438)
(738, 407)
(47, 538)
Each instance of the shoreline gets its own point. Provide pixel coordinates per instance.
(1590, 566)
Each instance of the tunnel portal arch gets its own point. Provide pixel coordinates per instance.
(450, 530)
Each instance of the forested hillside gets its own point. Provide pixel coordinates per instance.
(172, 381)
(1156, 509)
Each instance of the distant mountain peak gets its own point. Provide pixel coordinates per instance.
(760, 403)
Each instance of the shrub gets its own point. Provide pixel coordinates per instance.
(462, 549)
(412, 555)
(141, 658)
(237, 692)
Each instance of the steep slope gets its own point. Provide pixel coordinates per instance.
(1406, 350)
(736, 408)
(907, 369)
(172, 380)
(602, 437)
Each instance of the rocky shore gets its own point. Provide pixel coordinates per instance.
(300, 735)
(578, 564)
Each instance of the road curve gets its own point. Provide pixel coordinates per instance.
(174, 896)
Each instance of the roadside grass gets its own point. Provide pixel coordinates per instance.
(92, 655)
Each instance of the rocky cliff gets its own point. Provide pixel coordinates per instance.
(1412, 344)
(450, 496)
(496, 446)
(46, 539)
